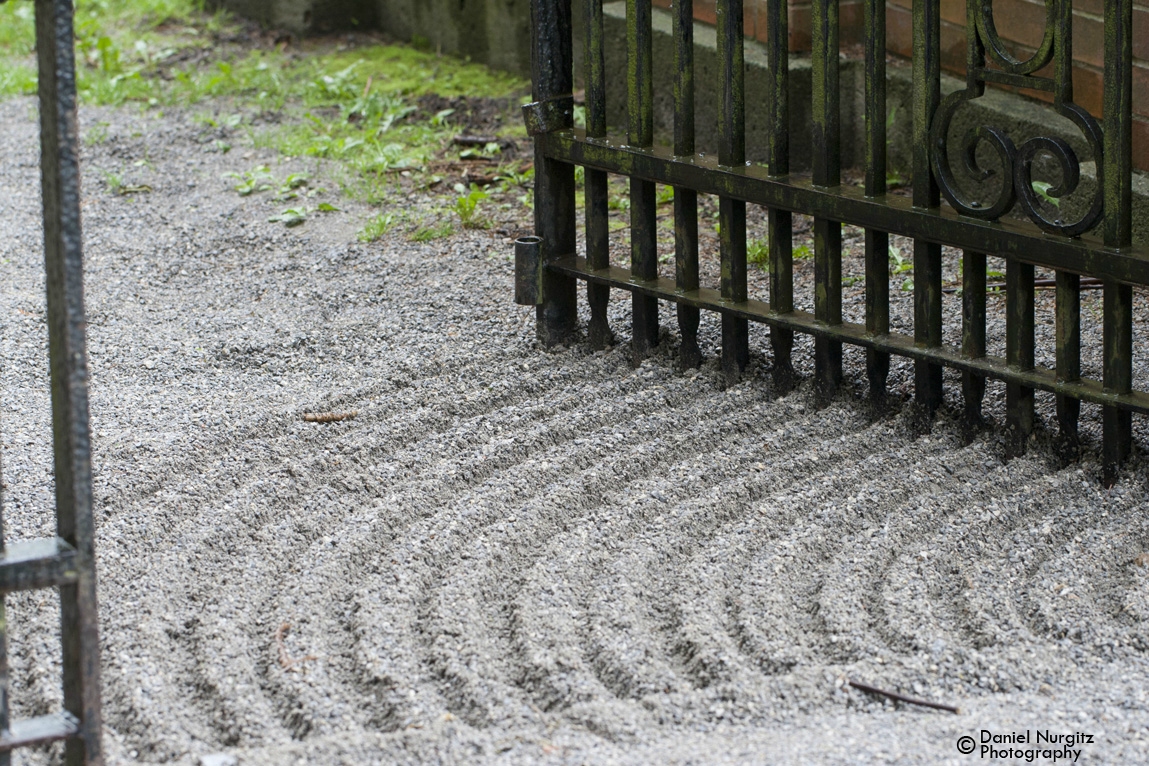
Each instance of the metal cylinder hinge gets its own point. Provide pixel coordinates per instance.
(528, 271)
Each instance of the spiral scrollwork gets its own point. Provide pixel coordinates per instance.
(1014, 178)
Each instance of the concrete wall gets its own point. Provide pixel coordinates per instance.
(303, 16)
(494, 32)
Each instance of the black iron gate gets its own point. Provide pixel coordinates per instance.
(1098, 243)
(66, 561)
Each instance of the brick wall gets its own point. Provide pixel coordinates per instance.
(1020, 23)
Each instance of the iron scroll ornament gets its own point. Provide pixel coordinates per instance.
(1017, 161)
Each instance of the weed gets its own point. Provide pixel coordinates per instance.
(758, 253)
(253, 181)
(851, 281)
(440, 118)
(664, 196)
(292, 216)
(803, 253)
(489, 150)
(467, 205)
(377, 227)
(1041, 188)
(114, 181)
(619, 202)
(97, 134)
(434, 231)
(900, 264)
(512, 175)
(290, 186)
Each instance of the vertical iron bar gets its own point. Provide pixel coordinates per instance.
(595, 191)
(1018, 352)
(643, 204)
(780, 222)
(551, 62)
(1068, 300)
(877, 242)
(685, 200)
(826, 147)
(972, 333)
(1117, 190)
(927, 255)
(1068, 330)
(5, 722)
(731, 212)
(60, 177)
(1117, 424)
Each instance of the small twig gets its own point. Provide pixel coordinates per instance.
(329, 417)
(469, 140)
(1086, 283)
(285, 660)
(902, 697)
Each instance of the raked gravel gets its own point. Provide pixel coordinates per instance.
(512, 555)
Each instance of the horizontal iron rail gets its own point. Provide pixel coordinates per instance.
(40, 563)
(903, 345)
(39, 730)
(889, 213)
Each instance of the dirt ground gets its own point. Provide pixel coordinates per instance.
(512, 555)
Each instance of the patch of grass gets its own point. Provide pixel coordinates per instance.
(359, 107)
(250, 182)
(803, 253)
(377, 227)
(467, 206)
(97, 134)
(113, 181)
(434, 231)
(758, 253)
(900, 264)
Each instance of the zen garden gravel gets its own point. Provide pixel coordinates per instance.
(519, 556)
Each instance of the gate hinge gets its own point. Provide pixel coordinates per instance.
(549, 115)
(529, 271)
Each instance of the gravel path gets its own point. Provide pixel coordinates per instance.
(514, 556)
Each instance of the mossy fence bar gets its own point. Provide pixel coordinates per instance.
(942, 210)
(67, 560)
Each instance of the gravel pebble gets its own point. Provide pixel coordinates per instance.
(512, 555)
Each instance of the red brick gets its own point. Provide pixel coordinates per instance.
(1141, 144)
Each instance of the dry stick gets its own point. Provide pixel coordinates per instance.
(902, 697)
(328, 417)
(285, 660)
(466, 139)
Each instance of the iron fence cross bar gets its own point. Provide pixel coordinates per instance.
(940, 213)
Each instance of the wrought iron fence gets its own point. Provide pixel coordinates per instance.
(1098, 243)
(66, 561)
